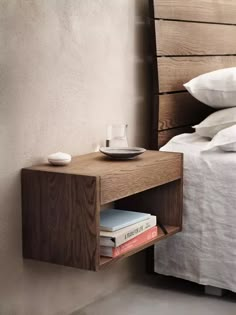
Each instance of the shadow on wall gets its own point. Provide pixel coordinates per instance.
(143, 72)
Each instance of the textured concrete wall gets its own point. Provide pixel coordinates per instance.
(67, 68)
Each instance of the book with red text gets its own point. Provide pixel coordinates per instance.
(131, 244)
(119, 237)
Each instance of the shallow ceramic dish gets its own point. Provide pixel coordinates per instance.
(122, 153)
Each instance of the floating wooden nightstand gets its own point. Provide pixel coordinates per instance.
(61, 205)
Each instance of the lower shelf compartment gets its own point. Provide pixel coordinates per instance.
(104, 261)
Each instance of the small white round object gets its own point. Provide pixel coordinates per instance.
(59, 158)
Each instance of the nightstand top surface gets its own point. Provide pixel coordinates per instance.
(96, 164)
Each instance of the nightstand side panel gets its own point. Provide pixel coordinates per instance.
(61, 218)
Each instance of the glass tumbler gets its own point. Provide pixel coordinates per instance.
(117, 136)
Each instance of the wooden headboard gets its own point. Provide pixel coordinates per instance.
(190, 37)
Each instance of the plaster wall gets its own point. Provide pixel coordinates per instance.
(67, 69)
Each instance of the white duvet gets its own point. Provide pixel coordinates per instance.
(205, 251)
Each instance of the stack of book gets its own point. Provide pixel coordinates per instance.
(122, 231)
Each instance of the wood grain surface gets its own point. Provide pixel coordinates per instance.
(97, 164)
(190, 38)
(60, 218)
(174, 72)
(139, 177)
(186, 38)
(180, 109)
(165, 135)
(121, 178)
(61, 207)
(220, 11)
(164, 201)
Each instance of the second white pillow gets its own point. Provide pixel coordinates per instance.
(215, 122)
(225, 140)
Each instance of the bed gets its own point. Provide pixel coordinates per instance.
(205, 251)
(191, 38)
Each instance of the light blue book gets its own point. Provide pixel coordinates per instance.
(114, 219)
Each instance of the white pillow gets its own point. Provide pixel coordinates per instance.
(216, 89)
(215, 122)
(225, 140)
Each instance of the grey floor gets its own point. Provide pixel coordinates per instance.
(162, 295)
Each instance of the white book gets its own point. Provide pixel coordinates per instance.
(115, 219)
(117, 238)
